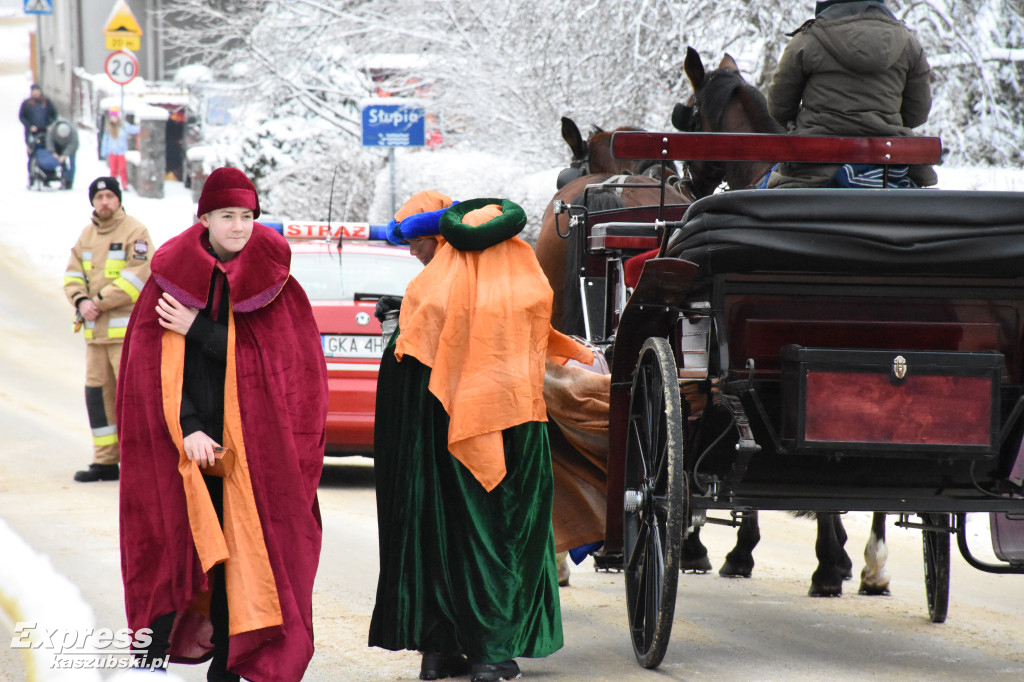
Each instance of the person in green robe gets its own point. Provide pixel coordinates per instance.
(463, 466)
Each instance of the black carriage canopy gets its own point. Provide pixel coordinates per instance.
(852, 231)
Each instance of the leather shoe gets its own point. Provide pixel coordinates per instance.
(493, 672)
(440, 666)
(99, 472)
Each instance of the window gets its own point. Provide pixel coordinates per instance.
(333, 275)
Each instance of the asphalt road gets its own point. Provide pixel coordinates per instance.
(764, 628)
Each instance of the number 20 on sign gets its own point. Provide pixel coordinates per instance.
(121, 67)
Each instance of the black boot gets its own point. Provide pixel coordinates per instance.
(494, 672)
(441, 666)
(154, 657)
(218, 670)
(99, 472)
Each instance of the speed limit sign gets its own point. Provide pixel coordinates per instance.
(122, 67)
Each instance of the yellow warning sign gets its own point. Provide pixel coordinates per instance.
(122, 31)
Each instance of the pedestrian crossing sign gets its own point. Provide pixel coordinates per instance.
(38, 7)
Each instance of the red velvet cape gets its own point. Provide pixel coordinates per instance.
(282, 399)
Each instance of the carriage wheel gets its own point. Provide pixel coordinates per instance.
(936, 566)
(655, 513)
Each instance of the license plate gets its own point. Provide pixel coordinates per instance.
(352, 346)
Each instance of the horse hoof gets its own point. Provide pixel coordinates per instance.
(699, 565)
(729, 570)
(825, 591)
(874, 590)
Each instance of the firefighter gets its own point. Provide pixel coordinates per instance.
(108, 267)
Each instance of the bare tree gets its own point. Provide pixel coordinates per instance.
(500, 73)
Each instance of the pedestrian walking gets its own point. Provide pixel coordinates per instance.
(36, 113)
(222, 400)
(463, 467)
(114, 145)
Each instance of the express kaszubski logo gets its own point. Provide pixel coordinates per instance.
(85, 648)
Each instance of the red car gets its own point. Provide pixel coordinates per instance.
(343, 287)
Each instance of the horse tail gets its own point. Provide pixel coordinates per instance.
(602, 199)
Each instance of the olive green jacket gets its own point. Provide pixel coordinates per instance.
(856, 71)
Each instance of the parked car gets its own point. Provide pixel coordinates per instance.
(343, 286)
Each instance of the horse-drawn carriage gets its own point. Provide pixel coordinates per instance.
(808, 350)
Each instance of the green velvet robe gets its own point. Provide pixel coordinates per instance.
(461, 570)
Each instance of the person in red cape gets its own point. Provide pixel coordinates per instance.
(222, 402)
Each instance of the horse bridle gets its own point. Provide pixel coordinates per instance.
(577, 169)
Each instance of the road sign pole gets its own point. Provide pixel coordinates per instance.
(391, 165)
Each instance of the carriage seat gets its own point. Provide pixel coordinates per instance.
(622, 236)
(854, 231)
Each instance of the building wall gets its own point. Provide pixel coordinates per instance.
(57, 41)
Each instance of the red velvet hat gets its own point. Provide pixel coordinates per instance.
(228, 188)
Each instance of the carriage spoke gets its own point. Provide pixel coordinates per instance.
(637, 551)
(639, 595)
(642, 448)
(655, 571)
(647, 417)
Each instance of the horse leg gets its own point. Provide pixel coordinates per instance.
(695, 555)
(845, 563)
(739, 563)
(827, 580)
(874, 579)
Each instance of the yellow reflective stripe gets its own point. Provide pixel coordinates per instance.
(74, 278)
(127, 287)
(87, 265)
(117, 326)
(105, 440)
(112, 270)
(88, 333)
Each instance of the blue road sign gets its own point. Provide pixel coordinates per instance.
(393, 125)
(38, 7)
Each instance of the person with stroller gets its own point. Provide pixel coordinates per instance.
(115, 145)
(36, 113)
(62, 142)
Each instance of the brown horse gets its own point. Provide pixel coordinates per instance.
(723, 102)
(592, 163)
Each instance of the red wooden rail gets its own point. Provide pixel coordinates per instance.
(759, 147)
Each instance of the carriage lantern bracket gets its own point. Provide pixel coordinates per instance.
(558, 207)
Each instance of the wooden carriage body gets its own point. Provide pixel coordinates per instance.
(818, 350)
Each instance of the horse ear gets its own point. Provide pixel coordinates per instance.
(572, 137)
(729, 63)
(694, 68)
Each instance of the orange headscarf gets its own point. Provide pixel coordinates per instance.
(481, 320)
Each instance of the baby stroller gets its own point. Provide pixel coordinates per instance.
(44, 169)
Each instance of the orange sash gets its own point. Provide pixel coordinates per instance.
(252, 592)
(481, 320)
